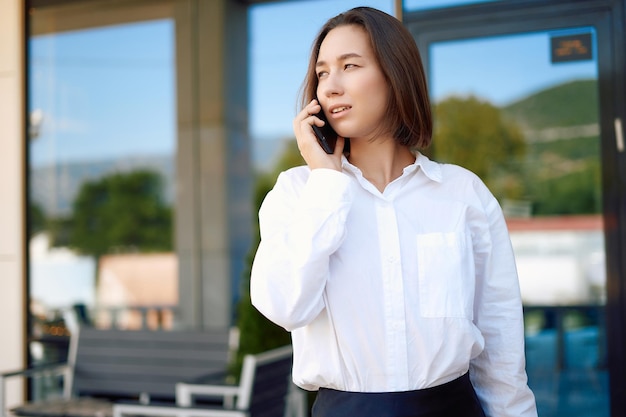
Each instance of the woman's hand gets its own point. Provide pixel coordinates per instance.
(310, 149)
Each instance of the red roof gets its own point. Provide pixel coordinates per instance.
(584, 222)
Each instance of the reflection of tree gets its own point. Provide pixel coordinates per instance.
(474, 134)
(573, 190)
(37, 219)
(121, 213)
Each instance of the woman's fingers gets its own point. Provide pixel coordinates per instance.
(303, 122)
(308, 145)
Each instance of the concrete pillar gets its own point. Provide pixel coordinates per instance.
(213, 218)
(12, 230)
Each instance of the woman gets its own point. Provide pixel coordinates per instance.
(393, 273)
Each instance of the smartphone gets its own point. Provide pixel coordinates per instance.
(326, 136)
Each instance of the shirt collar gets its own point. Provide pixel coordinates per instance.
(431, 169)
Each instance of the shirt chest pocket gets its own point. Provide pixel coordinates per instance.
(446, 275)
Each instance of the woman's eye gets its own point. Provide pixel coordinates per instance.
(321, 74)
(347, 66)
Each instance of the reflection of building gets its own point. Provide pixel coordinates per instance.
(134, 284)
(560, 260)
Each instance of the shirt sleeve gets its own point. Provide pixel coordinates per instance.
(499, 372)
(302, 222)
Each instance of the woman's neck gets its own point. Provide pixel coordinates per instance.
(380, 161)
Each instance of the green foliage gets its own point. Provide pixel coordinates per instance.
(565, 177)
(575, 191)
(59, 230)
(121, 213)
(36, 220)
(474, 134)
(258, 334)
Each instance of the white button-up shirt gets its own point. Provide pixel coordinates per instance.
(394, 291)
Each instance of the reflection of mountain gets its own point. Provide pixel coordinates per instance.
(54, 187)
(560, 121)
(574, 103)
(562, 164)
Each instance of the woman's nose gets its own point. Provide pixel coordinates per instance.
(331, 86)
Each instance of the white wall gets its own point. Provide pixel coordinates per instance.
(560, 267)
(11, 192)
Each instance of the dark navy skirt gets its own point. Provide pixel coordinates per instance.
(455, 398)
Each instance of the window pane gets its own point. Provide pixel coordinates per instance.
(414, 5)
(101, 164)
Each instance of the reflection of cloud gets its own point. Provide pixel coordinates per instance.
(58, 277)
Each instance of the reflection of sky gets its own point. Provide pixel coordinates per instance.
(104, 92)
(431, 4)
(501, 69)
(111, 91)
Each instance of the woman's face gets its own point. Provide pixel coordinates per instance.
(352, 89)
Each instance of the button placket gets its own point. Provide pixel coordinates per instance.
(393, 290)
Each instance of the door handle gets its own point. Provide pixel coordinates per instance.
(619, 134)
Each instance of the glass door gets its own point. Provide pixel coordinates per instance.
(519, 103)
(529, 128)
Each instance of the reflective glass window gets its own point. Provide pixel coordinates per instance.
(101, 162)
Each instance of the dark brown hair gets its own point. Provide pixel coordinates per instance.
(409, 111)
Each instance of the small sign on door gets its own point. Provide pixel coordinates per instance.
(571, 48)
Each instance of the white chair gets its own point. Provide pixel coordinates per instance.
(265, 389)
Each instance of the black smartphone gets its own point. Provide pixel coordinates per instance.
(326, 136)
